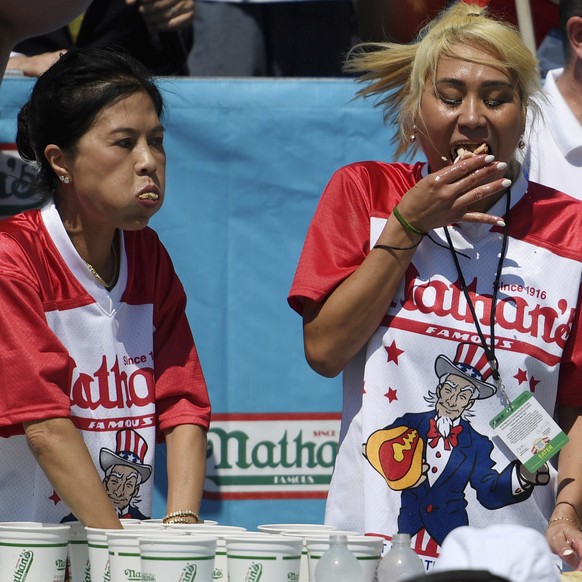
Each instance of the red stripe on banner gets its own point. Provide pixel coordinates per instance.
(278, 416)
(8, 147)
(455, 334)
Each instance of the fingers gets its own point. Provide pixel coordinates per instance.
(565, 542)
(167, 15)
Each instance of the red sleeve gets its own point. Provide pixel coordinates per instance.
(570, 382)
(35, 367)
(181, 393)
(337, 240)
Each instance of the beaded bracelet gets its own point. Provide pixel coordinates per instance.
(180, 515)
(405, 224)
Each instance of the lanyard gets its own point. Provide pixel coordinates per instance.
(489, 349)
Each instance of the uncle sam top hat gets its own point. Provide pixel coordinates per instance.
(130, 451)
(470, 362)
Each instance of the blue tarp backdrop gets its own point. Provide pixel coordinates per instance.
(247, 162)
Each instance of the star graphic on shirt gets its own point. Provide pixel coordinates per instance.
(391, 395)
(393, 352)
(55, 497)
(521, 376)
(533, 383)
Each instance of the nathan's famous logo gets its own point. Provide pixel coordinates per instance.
(552, 324)
(254, 572)
(132, 574)
(286, 455)
(112, 387)
(188, 573)
(23, 566)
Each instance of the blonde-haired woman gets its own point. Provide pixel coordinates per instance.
(444, 291)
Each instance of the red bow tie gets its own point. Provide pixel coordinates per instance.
(434, 435)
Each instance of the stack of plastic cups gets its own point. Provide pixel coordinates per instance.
(221, 532)
(33, 551)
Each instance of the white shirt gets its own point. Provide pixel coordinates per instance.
(554, 143)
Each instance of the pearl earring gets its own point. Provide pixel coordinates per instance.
(412, 137)
(65, 179)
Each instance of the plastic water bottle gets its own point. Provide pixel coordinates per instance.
(338, 564)
(401, 562)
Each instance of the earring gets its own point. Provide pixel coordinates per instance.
(65, 179)
(412, 137)
(521, 144)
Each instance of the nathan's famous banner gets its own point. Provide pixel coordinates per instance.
(247, 162)
(271, 456)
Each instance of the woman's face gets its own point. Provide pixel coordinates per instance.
(118, 166)
(469, 104)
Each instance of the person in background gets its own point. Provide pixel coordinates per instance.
(400, 20)
(98, 360)
(458, 267)
(553, 154)
(158, 33)
(20, 19)
(298, 38)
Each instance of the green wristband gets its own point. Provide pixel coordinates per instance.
(405, 224)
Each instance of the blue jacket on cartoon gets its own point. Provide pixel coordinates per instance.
(441, 507)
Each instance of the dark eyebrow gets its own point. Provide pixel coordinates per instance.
(131, 130)
(494, 83)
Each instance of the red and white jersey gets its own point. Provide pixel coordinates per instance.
(390, 387)
(122, 364)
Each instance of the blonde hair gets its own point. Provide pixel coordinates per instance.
(397, 73)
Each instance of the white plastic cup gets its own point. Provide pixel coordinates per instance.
(124, 559)
(273, 558)
(367, 549)
(99, 553)
(278, 528)
(33, 551)
(78, 558)
(123, 550)
(222, 532)
(181, 558)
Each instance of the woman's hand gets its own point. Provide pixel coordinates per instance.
(165, 15)
(459, 192)
(565, 540)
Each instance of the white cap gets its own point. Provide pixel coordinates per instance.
(518, 553)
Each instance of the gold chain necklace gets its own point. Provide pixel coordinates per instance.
(111, 283)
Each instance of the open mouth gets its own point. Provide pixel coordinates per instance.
(466, 150)
(148, 196)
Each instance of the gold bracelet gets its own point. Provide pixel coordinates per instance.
(180, 514)
(562, 518)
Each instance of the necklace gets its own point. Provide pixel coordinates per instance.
(111, 283)
(489, 349)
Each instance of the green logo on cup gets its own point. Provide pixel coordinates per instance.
(188, 573)
(217, 574)
(87, 572)
(23, 566)
(254, 572)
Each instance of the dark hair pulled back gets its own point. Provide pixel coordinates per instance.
(66, 99)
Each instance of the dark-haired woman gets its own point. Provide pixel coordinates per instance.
(97, 358)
